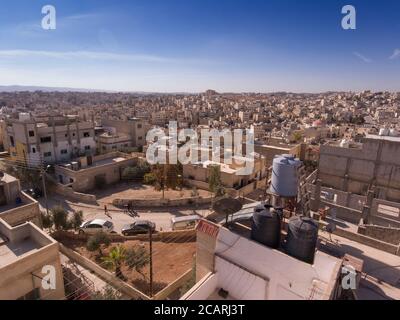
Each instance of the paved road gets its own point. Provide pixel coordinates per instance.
(160, 216)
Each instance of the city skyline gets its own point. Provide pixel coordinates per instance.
(182, 46)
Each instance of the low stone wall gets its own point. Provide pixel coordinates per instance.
(69, 193)
(162, 202)
(171, 288)
(28, 212)
(171, 236)
(363, 239)
(389, 235)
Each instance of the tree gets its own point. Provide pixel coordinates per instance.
(60, 218)
(47, 220)
(76, 220)
(214, 180)
(160, 175)
(115, 259)
(95, 242)
(108, 293)
(137, 258)
(137, 172)
(149, 179)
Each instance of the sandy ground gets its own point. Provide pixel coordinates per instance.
(126, 190)
(170, 261)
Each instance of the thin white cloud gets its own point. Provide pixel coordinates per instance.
(94, 55)
(395, 55)
(362, 57)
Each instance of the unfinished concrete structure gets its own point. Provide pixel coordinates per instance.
(26, 256)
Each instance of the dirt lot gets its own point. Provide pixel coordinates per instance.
(126, 190)
(170, 261)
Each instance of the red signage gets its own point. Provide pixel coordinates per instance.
(208, 228)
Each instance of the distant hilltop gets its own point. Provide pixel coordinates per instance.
(211, 93)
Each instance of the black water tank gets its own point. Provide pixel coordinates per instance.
(302, 237)
(266, 226)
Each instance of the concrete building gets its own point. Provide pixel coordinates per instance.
(27, 256)
(38, 140)
(355, 168)
(135, 129)
(230, 173)
(247, 270)
(109, 142)
(16, 207)
(81, 175)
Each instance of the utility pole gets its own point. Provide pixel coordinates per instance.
(151, 261)
(43, 173)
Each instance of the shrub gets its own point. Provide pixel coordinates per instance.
(95, 242)
(59, 217)
(77, 219)
(149, 179)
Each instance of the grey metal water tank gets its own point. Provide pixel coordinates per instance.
(302, 237)
(266, 226)
(284, 180)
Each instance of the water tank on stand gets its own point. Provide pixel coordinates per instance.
(301, 240)
(266, 225)
(284, 180)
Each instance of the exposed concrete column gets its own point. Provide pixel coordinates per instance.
(315, 202)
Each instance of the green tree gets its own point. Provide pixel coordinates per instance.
(47, 220)
(76, 220)
(115, 259)
(95, 242)
(149, 179)
(214, 181)
(60, 218)
(137, 259)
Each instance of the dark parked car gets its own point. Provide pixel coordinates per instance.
(138, 227)
(35, 193)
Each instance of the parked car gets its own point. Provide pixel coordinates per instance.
(35, 193)
(184, 223)
(138, 227)
(96, 225)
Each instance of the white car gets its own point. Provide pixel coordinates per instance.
(96, 225)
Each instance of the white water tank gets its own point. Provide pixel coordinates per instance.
(284, 180)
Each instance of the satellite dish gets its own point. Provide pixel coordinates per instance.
(227, 206)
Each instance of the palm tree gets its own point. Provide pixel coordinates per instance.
(115, 259)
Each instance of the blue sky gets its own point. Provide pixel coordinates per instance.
(193, 45)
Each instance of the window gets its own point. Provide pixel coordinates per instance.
(64, 151)
(87, 147)
(139, 126)
(33, 150)
(31, 133)
(12, 141)
(86, 134)
(45, 139)
(140, 138)
(47, 154)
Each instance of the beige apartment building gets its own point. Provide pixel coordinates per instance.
(81, 175)
(122, 133)
(38, 140)
(28, 258)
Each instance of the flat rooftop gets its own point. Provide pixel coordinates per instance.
(11, 252)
